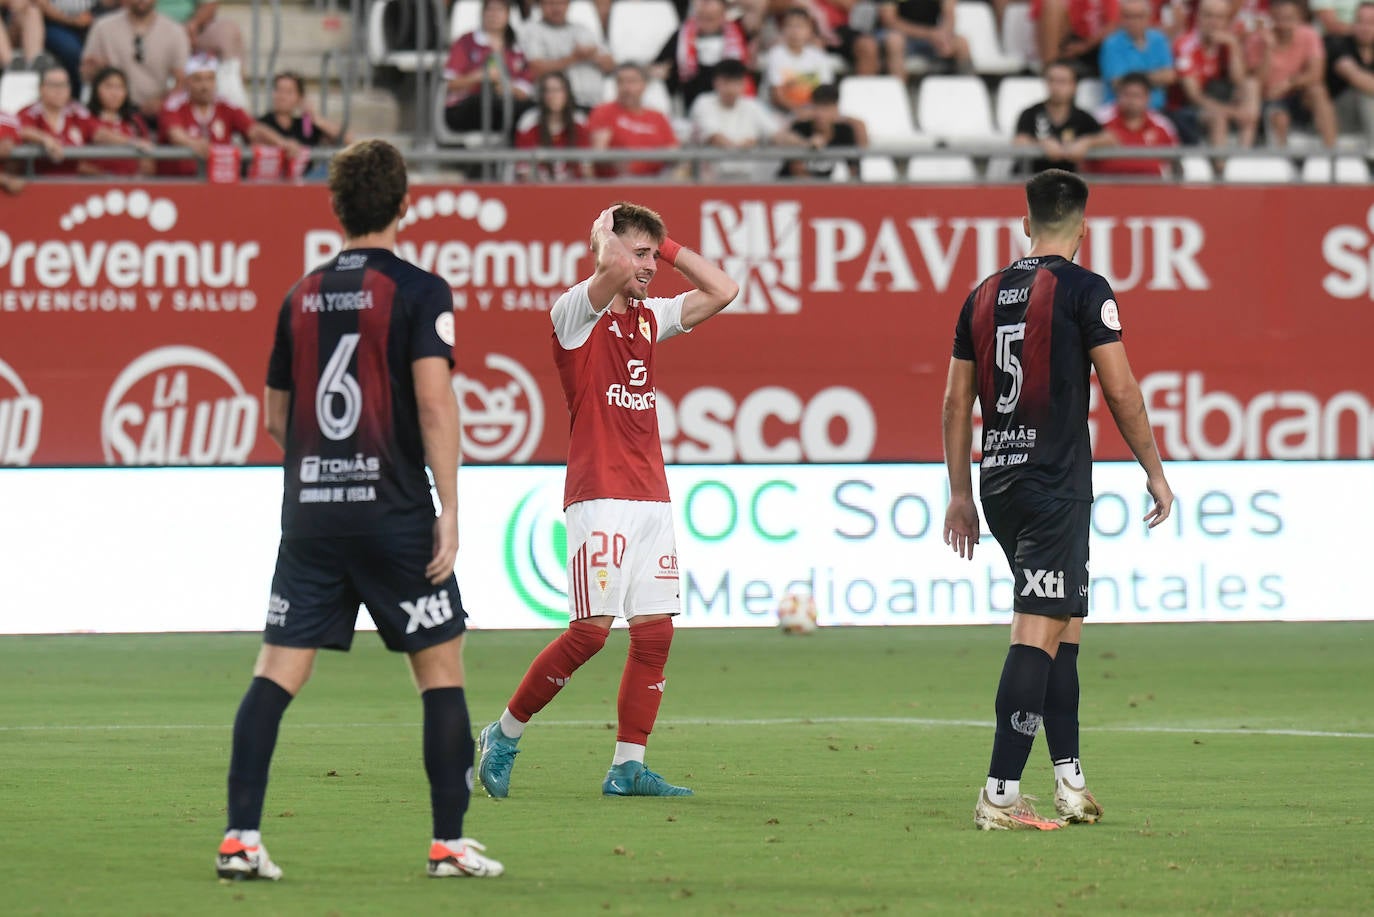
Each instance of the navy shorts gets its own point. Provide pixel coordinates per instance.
(319, 583)
(1046, 542)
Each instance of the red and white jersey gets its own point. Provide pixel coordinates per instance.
(74, 127)
(606, 364)
(9, 128)
(218, 124)
(1152, 130)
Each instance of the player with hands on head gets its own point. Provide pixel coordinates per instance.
(1024, 344)
(622, 551)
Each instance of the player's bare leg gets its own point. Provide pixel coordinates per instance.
(278, 676)
(1072, 799)
(448, 750)
(1020, 705)
(641, 693)
(546, 676)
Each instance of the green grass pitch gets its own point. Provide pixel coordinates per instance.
(835, 774)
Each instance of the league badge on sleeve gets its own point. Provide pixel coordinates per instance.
(1110, 318)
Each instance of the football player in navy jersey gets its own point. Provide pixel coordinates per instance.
(359, 395)
(1024, 344)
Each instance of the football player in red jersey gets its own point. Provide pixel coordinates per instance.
(622, 554)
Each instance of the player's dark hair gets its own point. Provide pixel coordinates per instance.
(731, 69)
(1133, 79)
(799, 12)
(367, 183)
(1055, 197)
(631, 217)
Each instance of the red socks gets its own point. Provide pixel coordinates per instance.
(553, 667)
(641, 687)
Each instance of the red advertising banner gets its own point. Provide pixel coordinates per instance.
(135, 322)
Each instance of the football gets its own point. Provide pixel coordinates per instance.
(797, 613)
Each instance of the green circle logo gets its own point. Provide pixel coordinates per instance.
(536, 553)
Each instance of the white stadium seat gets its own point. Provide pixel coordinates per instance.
(1014, 95)
(1348, 170)
(1196, 169)
(974, 21)
(877, 169)
(881, 103)
(1018, 33)
(1259, 169)
(639, 29)
(1090, 95)
(941, 169)
(18, 90)
(955, 108)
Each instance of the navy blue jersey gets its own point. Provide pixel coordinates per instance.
(1028, 330)
(347, 335)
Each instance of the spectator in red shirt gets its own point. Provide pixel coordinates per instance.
(1131, 123)
(689, 59)
(1073, 30)
(55, 122)
(112, 108)
(199, 118)
(1290, 62)
(626, 124)
(474, 58)
(1213, 91)
(554, 123)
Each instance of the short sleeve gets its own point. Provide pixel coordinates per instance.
(241, 121)
(1087, 124)
(431, 320)
(1025, 124)
(574, 316)
(668, 315)
(1163, 52)
(279, 364)
(602, 117)
(1099, 320)
(776, 72)
(963, 331)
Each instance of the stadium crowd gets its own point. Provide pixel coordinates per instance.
(735, 75)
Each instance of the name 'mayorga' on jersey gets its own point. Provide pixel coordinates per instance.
(347, 335)
(1028, 329)
(606, 365)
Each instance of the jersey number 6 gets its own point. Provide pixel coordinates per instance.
(338, 399)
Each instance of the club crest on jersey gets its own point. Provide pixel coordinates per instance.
(644, 327)
(603, 581)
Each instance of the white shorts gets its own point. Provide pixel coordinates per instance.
(622, 559)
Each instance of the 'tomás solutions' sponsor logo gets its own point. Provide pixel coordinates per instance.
(178, 405)
(89, 268)
(21, 419)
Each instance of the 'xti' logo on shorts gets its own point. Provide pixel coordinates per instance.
(428, 611)
(1046, 584)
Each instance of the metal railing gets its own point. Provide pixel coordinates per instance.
(692, 157)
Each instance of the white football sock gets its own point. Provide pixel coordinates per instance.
(250, 838)
(1070, 770)
(512, 727)
(627, 751)
(1003, 792)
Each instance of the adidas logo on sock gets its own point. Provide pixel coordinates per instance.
(561, 682)
(660, 687)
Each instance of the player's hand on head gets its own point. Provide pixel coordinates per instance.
(605, 223)
(440, 566)
(961, 527)
(1164, 500)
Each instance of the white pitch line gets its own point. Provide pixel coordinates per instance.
(708, 721)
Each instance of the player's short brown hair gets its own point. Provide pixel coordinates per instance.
(367, 183)
(630, 217)
(1054, 197)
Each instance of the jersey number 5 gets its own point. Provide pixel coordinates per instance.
(1009, 363)
(338, 399)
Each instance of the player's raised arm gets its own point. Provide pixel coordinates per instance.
(956, 426)
(614, 262)
(438, 410)
(1122, 393)
(714, 288)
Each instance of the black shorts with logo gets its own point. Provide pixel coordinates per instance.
(1046, 542)
(320, 581)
